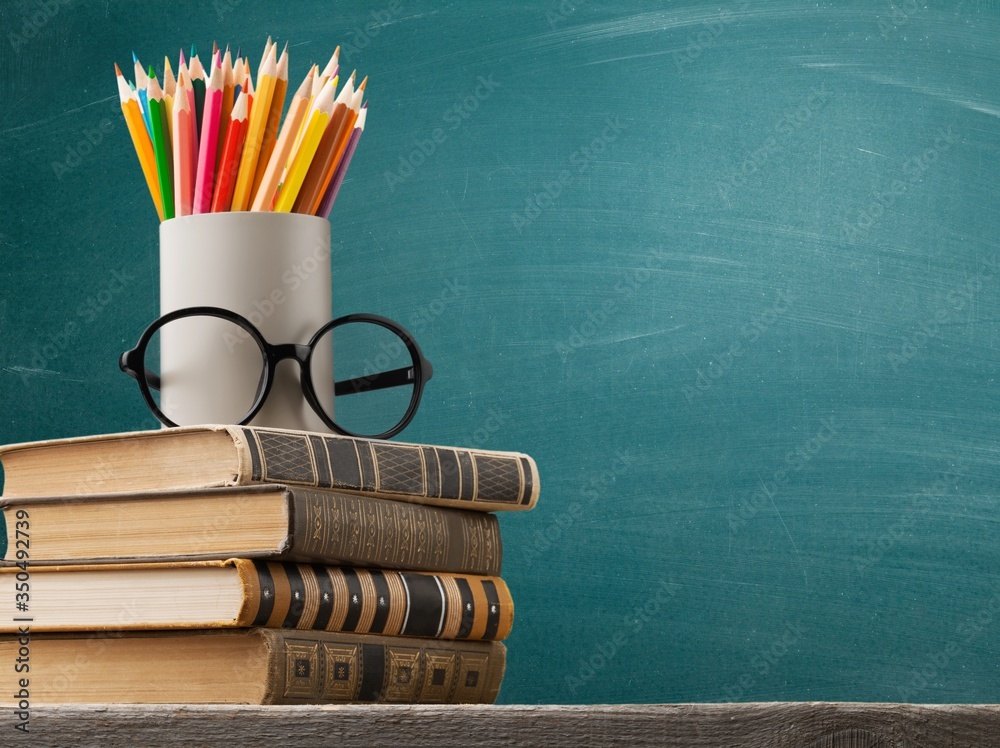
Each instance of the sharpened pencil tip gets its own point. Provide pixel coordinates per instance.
(152, 73)
(363, 84)
(118, 70)
(194, 51)
(135, 59)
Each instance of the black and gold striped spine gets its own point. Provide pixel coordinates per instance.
(376, 601)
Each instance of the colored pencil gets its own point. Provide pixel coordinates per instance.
(283, 148)
(271, 128)
(214, 138)
(140, 138)
(209, 142)
(227, 103)
(302, 157)
(343, 135)
(141, 82)
(169, 82)
(197, 72)
(326, 205)
(230, 164)
(184, 152)
(311, 191)
(161, 145)
(259, 112)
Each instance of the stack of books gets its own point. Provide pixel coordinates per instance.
(236, 564)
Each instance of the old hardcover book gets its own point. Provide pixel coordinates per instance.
(251, 666)
(241, 593)
(262, 521)
(205, 456)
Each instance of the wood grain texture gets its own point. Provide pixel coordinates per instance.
(768, 725)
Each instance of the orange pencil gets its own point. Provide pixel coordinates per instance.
(283, 148)
(343, 136)
(140, 138)
(311, 191)
(226, 179)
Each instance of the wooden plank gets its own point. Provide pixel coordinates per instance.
(771, 725)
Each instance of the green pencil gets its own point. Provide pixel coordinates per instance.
(161, 145)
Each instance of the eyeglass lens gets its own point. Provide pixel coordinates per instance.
(214, 357)
(200, 348)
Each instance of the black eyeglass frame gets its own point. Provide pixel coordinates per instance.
(418, 373)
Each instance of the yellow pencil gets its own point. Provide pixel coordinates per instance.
(259, 113)
(283, 149)
(140, 138)
(273, 121)
(307, 148)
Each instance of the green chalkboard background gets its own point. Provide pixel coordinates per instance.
(729, 272)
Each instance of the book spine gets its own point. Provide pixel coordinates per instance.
(373, 601)
(360, 669)
(480, 480)
(362, 531)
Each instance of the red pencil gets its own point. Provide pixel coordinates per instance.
(229, 166)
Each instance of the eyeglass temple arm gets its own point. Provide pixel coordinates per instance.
(381, 381)
(125, 364)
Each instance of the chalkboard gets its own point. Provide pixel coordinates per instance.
(729, 272)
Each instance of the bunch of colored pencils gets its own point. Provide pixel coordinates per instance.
(209, 141)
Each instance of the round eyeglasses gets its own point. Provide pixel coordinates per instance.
(372, 368)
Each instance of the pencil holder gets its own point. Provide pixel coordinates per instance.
(272, 269)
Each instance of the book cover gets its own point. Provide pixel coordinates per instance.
(253, 666)
(241, 593)
(205, 456)
(291, 523)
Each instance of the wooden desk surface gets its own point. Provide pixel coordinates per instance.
(766, 725)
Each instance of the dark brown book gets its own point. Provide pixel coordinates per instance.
(279, 522)
(252, 666)
(239, 593)
(205, 456)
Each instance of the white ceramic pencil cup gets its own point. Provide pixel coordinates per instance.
(274, 270)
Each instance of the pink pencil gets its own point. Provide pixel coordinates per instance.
(204, 184)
